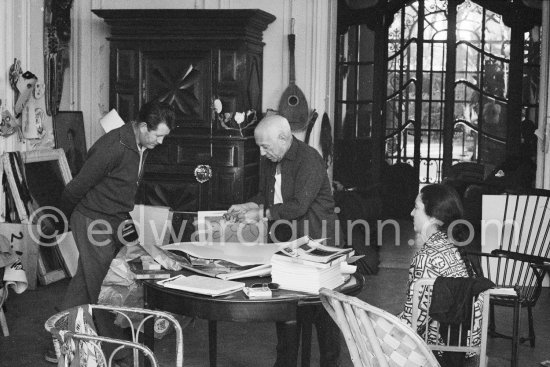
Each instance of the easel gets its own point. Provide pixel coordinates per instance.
(50, 265)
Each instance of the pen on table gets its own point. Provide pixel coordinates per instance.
(162, 282)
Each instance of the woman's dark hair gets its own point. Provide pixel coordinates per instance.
(154, 113)
(443, 203)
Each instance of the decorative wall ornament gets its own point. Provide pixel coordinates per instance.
(57, 34)
(15, 73)
(8, 125)
(25, 87)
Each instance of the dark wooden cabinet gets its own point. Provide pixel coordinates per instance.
(188, 58)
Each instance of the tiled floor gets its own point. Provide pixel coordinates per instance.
(253, 344)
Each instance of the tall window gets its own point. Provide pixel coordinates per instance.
(441, 109)
(481, 86)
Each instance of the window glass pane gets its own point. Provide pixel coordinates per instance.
(366, 82)
(366, 41)
(352, 45)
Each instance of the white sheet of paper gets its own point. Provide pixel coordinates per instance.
(212, 227)
(111, 121)
(237, 253)
(69, 251)
(152, 224)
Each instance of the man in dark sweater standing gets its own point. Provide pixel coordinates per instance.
(294, 188)
(99, 198)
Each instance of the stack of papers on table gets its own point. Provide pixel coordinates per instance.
(308, 266)
(202, 285)
(234, 252)
(256, 271)
(228, 260)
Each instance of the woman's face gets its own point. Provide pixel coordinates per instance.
(421, 220)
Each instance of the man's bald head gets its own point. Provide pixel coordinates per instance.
(274, 137)
(273, 125)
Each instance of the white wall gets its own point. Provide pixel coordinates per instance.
(315, 30)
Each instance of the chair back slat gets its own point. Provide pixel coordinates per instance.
(543, 227)
(342, 321)
(503, 228)
(372, 338)
(517, 223)
(369, 346)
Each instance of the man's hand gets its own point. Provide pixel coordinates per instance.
(239, 208)
(252, 215)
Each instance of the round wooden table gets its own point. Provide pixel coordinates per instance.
(236, 307)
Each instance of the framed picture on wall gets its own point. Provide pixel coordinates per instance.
(69, 135)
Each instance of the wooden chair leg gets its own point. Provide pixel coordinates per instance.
(3, 322)
(492, 324)
(531, 326)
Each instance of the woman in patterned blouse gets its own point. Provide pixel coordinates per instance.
(436, 208)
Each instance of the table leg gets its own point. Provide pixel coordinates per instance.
(213, 342)
(287, 343)
(306, 330)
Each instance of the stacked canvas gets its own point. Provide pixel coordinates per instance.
(307, 266)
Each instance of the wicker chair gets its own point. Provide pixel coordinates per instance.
(373, 336)
(65, 339)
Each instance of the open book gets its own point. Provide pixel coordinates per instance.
(307, 249)
(231, 272)
(202, 285)
(226, 260)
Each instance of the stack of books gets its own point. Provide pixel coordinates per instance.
(306, 265)
(144, 270)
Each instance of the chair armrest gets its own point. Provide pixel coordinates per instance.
(522, 257)
(148, 314)
(64, 340)
(52, 325)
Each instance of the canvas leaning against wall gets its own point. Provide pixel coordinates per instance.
(70, 136)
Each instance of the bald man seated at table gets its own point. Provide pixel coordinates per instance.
(294, 187)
